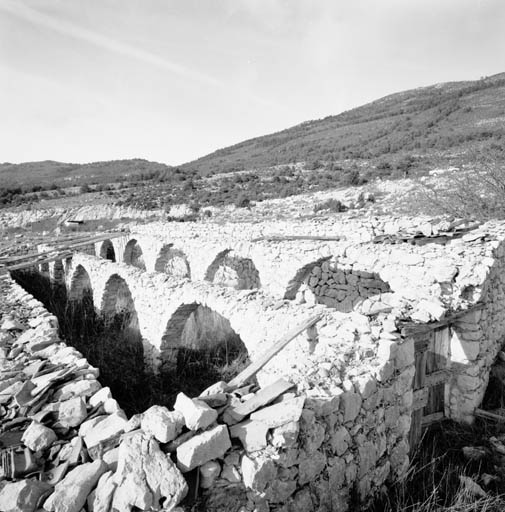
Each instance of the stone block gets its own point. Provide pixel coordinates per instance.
(72, 413)
(252, 434)
(197, 415)
(104, 492)
(209, 445)
(281, 413)
(70, 494)
(350, 404)
(340, 441)
(105, 430)
(310, 467)
(286, 435)
(257, 472)
(23, 495)
(38, 437)
(159, 422)
(100, 397)
(146, 477)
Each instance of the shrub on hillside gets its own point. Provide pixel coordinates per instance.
(333, 205)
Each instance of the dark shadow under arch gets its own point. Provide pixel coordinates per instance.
(233, 271)
(133, 254)
(173, 262)
(199, 347)
(107, 251)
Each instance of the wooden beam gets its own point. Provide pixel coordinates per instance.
(438, 377)
(490, 415)
(32, 263)
(429, 419)
(281, 238)
(411, 328)
(247, 374)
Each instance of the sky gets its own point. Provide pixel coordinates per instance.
(173, 80)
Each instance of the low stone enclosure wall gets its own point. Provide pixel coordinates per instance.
(407, 337)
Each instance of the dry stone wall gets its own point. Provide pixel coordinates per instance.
(343, 421)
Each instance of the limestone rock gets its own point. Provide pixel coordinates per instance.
(104, 493)
(22, 496)
(72, 413)
(257, 472)
(281, 413)
(164, 425)
(252, 434)
(146, 478)
(100, 396)
(209, 445)
(11, 324)
(197, 415)
(105, 430)
(38, 437)
(70, 494)
(83, 388)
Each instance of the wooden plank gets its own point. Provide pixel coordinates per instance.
(68, 245)
(420, 364)
(411, 328)
(281, 238)
(416, 429)
(432, 418)
(438, 377)
(28, 264)
(488, 415)
(420, 399)
(244, 376)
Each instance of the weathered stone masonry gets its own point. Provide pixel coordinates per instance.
(360, 381)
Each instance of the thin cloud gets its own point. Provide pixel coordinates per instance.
(26, 13)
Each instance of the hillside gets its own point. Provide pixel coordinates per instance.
(440, 124)
(49, 173)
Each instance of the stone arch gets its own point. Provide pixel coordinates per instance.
(300, 276)
(344, 289)
(118, 310)
(173, 262)
(133, 254)
(80, 285)
(196, 329)
(229, 269)
(107, 251)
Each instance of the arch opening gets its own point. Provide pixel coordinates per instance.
(107, 251)
(199, 347)
(173, 262)
(133, 255)
(233, 271)
(344, 289)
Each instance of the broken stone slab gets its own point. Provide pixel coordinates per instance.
(100, 397)
(11, 324)
(201, 448)
(281, 413)
(263, 397)
(83, 388)
(38, 437)
(252, 434)
(70, 494)
(146, 478)
(216, 400)
(103, 493)
(159, 422)
(72, 413)
(105, 430)
(22, 496)
(218, 387)
(197, 415)
(286, 435)
(208, 473)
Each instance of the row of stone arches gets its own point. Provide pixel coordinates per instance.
(319, 281)
(193, 328)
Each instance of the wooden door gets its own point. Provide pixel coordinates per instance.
(431, 375)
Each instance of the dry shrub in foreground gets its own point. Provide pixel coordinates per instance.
(478, 193)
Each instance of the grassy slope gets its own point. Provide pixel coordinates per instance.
(434, 122)
(65, 174)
